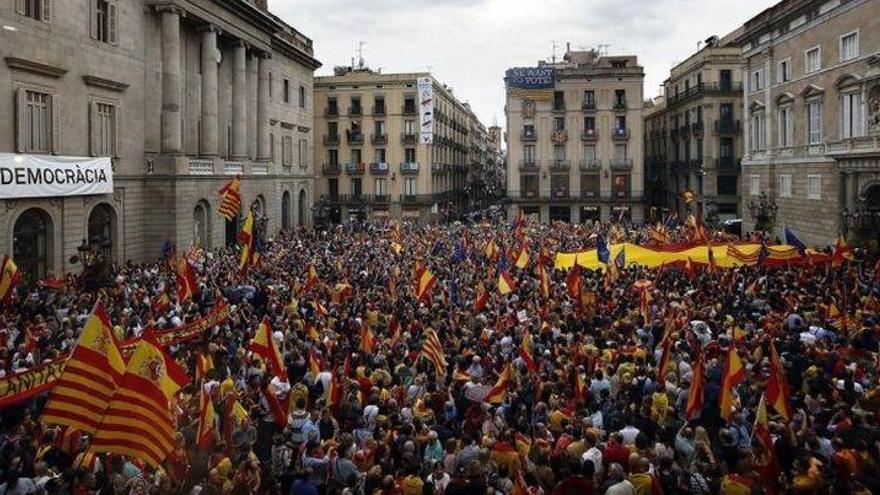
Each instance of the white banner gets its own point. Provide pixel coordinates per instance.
(426, 110)
(41, 176)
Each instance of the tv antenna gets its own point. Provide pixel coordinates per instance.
(360, 52)
(553, 58)
(603, 49)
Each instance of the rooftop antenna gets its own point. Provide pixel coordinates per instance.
(360, 52)
(554, 50)
(603, 49)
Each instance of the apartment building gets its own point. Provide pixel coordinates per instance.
(575, 138)
(392, 146)
(166, 100)
(811, 104)
(693, 137)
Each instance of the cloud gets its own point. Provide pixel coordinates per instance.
(468, 44)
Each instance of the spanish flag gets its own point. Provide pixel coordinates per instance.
(695, 393)
(206, 421)
(481, 298)
(311, 279)
(139, 422)
(573, 282)
(525, 352)
(777, 392)
(689, 270)
(432, 349)
(506, 284)
(9, 278)
(341, 292)
(368, 340)
(496, 393)
(81, 395)
(425, 281)
(522, 257)
(186, 280)
(161, 304)
(491, 250)
(204, 364)
(246, 237)
(544, 280)
(394, 332)
(335, 391)
(734, 374)
(659, 235)
(264, 346)
(230, 199)
(842, 251)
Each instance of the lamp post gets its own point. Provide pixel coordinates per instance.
(763, 213)
(94, 255)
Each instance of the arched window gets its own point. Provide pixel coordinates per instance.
(32, 243)
(102, 228)
(301, 208)
(259, 206)
(202, 224)
(285, 210)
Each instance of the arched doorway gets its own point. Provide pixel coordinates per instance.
(285, 210)
(202, 224)
(32, 243)
(301, 208)
(102, 228)
(232, 230)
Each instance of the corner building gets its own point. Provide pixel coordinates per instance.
(179, 95)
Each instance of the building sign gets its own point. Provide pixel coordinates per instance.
(426, 110)
(39, 176)
(530, 77)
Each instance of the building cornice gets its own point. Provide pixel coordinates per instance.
(100, 82)
(34, 67)
(286, 48)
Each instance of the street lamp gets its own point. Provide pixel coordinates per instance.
(763, 212)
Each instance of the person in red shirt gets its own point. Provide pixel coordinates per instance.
(579, 482)
(615, 451)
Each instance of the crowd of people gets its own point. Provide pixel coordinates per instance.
(401, 426)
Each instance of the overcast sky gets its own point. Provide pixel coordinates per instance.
(468, 44)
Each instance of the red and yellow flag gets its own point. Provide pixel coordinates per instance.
(842, 252)
(522, 257)
(425, 281)
(186, 280)
(734, 374)
(580, 387)
(314, 362)
(206, 421)
(525, 352)
(91, 375)
(482, 297)
(491, 250)
(695, 393)
(139, 422)
(230, 199)
(246, 238)
(506, 285)
(394, 332)
(544, 281)
(777, 392)
(311, 280)
(9, 278)
(264, 346)
(496, 393)
(204, 364)
(573, 282)
(432, 349)
(368, 340)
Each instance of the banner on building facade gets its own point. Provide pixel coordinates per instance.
(41, 176)
(425, 87)
(530, 77)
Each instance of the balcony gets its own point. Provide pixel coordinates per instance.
(355, 137)
(728, 163)
(355, 111)
(704, 89)
(558, 107)
(379, 168)
(380, 198)
(589, 135)
(409, 109)
(201, 167)
(591, 165)
(560, 192)
(621, 194)
(331, 112)
(355, 168)
(621, 164)
(588, 106)
(529, 136)
(697, 128)
(332, 197)
(379, 139)
(406, 138)
(531, 192)
(378, 109)
(412, 199)
(727, 126)
(260, 168)
(590, 193)
(331, 169)
(560, 136)
(409, 168)
(528, 166)
(331, 139)
(560, 165)
(233, 168)
(352, 198)
(620, 134)
(619, 106)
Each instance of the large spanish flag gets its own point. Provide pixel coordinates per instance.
(777, 393)
(496, 393)
(82, 394)
(246, 237)
(139, 422)
(264, 346)
(186, 280)
(9, 277)
(425, 280)
(734, 374)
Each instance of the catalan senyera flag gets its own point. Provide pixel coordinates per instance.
(368, 340)
(481, 298)
(139, 422)
(734, 374)
(425, 281)
(695, 394)
(9, 278)
(206, 421)
(777, 392)
(186, 280)
(246, 238)
(506, 285)
(491, 250)
(264, 346)
(522, 257)
(230, 199)
(81, 395)
(525, 352)
(432, 349)
(544, 281)
(496, 393)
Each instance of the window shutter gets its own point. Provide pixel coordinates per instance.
(93, 19)
(117, 130)
(94, 129)
(56, 123)
(19, 7)
(21, 120)
(47, 10)
(111, 19)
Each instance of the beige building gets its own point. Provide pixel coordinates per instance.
(181, 95)
(693, 133)
(812, 117)
(575, 138)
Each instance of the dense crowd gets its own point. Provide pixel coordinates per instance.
(402, 426)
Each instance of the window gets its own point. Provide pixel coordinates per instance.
(589, 123)
(379, 105)
(620, 98)
(380, 187)
(287, 151)
(559, 152)
(814, 186)
(813, 60)
(590, 185)
(270, 84)
(590, 153)
(356, 156)
(379, 127)
(528, 130)
(34, 122)
(620, 124)
(409, 155)
(783, 72)
(529, 153)
(355, 105)
(332, 107)
(333, 187)
(620, 152)
(409, 105)
(849, 46)
(35, 9)
(755, 185)
(379, 155)
(559, 124)
(814, 122)
(333, 157)
(409, 127)
(332, 129)
(558, 100)
(726, 79)
(784, 131)
(103, 128)
(103, 26)
(589, 99)
(785, 186)
(287, 91)
(303, 160)
(758, 80)
(727, 185)
(758, 135)
(357, 187)
(302, 96)
(850, 115)
(410, 186)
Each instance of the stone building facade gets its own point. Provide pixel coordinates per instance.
(574, 146)
(181, 94)
(376, 160)
(811, 104)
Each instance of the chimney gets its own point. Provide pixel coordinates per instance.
(567, 46)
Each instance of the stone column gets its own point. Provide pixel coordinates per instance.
(263, 151)
(747, 121)
(210, 135)
(171, 123)
(239, 102)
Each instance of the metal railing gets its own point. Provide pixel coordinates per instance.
(409, 138)
(201, 167)
(409, 168)
(355, 137)
(704, 88)
(379, 168)
(331, 112)
(233, 168)
(621, 164)
(529, 136)
(331, 139)
(589, 135)
(379, 138)
(331, 168)
(355, 111)
(528, 165)
(727, 126)
(591, 165)
(618, 133)
(355, 168)
(560, 165)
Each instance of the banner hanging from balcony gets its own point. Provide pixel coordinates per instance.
(530, 77)
(40, 176)
(426, 110)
